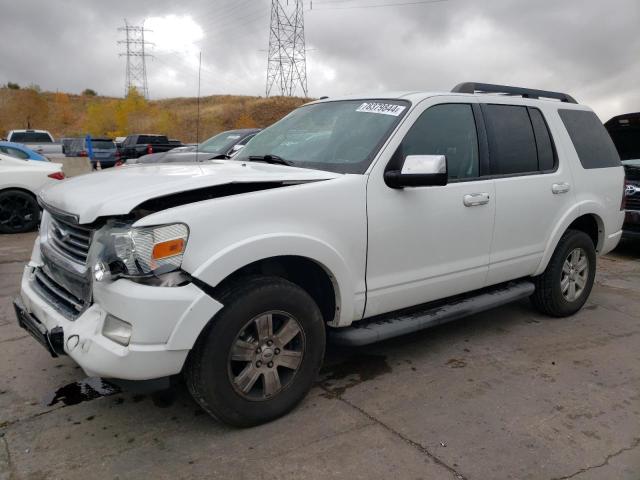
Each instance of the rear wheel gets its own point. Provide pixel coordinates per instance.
(260, 355)
(566, 283)
(19, 211)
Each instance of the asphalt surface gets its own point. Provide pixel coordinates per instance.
(504, 394)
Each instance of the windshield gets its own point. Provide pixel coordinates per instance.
(220, 143)
(341, 136)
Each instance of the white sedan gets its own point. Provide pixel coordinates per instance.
(20, 182)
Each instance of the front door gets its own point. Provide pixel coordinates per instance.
(427, 243)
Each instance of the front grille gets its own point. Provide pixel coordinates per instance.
(56, 295)
(632, 203)
(72, 241)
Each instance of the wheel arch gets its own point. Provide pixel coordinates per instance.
(20, 189)
(308, 262)
(589, 222)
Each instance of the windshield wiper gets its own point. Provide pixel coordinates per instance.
(270, 159)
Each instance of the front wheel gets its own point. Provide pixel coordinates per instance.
(565, 285)
(261, 353)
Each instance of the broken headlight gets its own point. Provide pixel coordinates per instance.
(120, 250)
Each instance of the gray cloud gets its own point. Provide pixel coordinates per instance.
(587, 48)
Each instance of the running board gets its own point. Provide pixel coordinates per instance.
(385, 326)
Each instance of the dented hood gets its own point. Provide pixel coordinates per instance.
(117, 191)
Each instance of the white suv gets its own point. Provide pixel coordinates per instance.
(356, 219)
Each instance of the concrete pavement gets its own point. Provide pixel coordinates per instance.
(507, 394)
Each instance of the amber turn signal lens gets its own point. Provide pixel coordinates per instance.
(168, 249)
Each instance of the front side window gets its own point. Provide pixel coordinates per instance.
(341, 136)
(512, 144)
(450, 130)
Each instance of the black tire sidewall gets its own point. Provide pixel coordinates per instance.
(214, 385)
(35, 210)
(573, 240)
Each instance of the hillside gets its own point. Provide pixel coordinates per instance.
(66, 115)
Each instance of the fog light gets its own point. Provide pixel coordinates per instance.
(117, 330)
(100, 270)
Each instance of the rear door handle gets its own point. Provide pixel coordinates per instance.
(563, 187)
(475, 199)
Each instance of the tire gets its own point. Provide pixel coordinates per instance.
(237, 385)
(19, 211)
(553, 294)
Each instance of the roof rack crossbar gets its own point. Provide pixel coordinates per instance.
(472, 87)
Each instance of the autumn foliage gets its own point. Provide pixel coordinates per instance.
(68, 115)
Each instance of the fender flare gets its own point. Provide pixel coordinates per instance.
(587, 207)
(261, 247)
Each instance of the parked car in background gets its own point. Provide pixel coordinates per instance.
(66, 143)
(222, 145)
(105, 151)
(41, 141)
(20, 182)
(119, 141)
(20, 151)
(135, 146)
(625, 132)
(351, 219)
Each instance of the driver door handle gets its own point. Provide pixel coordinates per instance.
(475, 199)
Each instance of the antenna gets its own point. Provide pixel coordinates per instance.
(136, 76)
(198, 110)
(287, 59)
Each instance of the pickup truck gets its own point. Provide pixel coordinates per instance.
(135, 146)
(351, 220)
(40, 141)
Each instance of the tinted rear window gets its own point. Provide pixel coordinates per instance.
(512, 145)
(592, 142)
(153, 139)
(103, 145)
(30, 137)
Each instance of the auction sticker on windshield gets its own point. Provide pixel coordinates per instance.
(384, 108)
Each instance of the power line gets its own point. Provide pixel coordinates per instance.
(136, 70)
(401, 4)
(287, 62)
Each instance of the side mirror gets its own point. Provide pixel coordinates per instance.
(419, 171)
(235, 149)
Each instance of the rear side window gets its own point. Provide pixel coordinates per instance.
(546, 153)
(512, 144)
(593, 144)
(14, 152)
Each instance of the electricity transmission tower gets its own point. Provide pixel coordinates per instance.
(136, 58)
(287, 63)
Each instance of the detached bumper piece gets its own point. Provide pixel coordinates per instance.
(52, 340)
(395, 324)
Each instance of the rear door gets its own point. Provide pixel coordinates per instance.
(533, 190)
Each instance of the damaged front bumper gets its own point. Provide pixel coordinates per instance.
(165, 321)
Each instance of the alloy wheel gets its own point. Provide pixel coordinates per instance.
(266, 355)
(575, 273)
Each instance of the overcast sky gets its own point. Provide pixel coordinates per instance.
(588, 48)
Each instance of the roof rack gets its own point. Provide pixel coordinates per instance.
(472, 87)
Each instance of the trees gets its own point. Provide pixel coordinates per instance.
(89, 92)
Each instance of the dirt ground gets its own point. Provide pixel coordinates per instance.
(507, 394)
